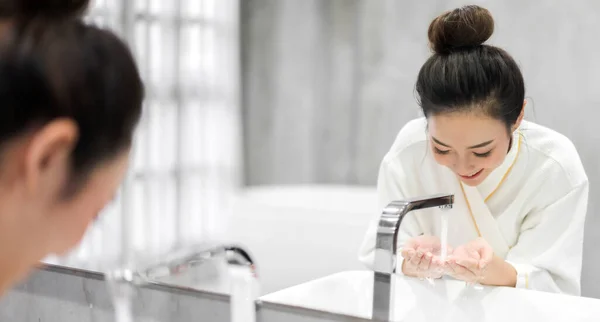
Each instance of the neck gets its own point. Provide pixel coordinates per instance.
(11, 269)
(18, 237)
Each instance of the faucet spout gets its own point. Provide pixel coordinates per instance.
(389, 225)
(240, 264)
(386, 246)
(234, 255)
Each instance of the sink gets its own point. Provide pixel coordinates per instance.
(351, 293)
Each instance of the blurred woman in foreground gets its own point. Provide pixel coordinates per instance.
(71, 98)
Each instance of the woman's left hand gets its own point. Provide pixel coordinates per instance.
(469, 262)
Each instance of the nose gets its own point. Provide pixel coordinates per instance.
(463, 165)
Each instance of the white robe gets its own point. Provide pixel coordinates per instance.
(534, 220)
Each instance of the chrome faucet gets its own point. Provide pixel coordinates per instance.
(386, 244)
(178, 263)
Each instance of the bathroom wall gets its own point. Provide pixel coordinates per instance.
(327, 85)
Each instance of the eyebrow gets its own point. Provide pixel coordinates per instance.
(480, 145)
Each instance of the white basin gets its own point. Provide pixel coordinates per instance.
(350, 293)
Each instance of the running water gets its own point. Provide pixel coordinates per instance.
(244, 292)
(122, 295)
(444, 236)
(443, 240)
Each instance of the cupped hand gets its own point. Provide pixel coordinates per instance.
(422, 257)
(469, 262)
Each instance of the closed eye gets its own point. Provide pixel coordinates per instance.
(439, 151)
(483, 155)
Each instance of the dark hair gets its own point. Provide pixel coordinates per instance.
(53, 65)
(48, 8)
(463, 74)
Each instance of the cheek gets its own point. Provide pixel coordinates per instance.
(445, 160)
(76, 217)
(77, 220)
(79, 212)
(493, 161)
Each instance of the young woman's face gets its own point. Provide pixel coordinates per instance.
(469, 144)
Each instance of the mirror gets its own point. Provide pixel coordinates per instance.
(300, 101)
(327, 87)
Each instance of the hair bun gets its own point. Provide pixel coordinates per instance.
(49, 8)
(467, 26)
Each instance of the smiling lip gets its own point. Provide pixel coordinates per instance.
(474, 176)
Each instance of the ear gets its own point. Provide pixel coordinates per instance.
(48, 153)
(520, 118)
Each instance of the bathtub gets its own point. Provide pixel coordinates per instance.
(301, 233)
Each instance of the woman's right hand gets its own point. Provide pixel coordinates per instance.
(422, 257)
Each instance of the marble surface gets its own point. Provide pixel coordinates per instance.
(351, 293)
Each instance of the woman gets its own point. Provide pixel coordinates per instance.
(520, 189)
(71, 97)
